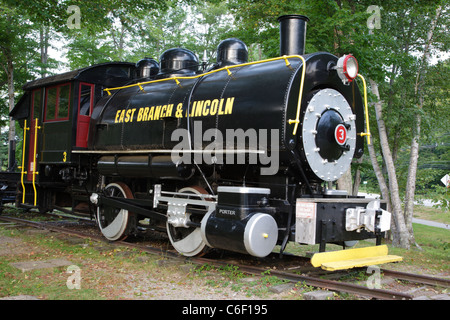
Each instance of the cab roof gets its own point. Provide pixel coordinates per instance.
(110, 74)
(107, 74)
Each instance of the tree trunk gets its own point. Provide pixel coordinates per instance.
(383, 186)
(411, 180)
(380, 177)
(12, 124)
(345, 182)
(43, 43)
(357, 178)
(414, 155)
(401, 235)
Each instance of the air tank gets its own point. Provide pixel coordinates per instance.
(178, 62)
(230, 52)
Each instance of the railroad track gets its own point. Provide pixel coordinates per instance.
(314, 281)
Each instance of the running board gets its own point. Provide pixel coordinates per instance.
(353, 258)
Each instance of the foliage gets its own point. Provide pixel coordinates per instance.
(112, 30)
(17, 43)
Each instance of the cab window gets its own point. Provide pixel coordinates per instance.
(37, 105)
(57, 102)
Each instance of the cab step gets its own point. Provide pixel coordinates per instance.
(353, 258)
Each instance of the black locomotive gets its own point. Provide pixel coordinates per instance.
(235, 157)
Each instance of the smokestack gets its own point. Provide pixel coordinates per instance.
(292, 34)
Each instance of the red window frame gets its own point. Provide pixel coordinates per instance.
(91, 107)
(58, 90)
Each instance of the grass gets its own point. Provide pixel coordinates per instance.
(231, 276)
(432, 214)
(104, 271)
(433, 252)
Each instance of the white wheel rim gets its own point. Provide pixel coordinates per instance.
(117, 227)
(193, 243)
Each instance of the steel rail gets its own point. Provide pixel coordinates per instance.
(80, 234)
(345, 287)
(320, 283)
(417, 278)
(307, 280)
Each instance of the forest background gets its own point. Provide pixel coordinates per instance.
(402, 48)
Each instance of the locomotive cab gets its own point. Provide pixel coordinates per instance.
(55, 113)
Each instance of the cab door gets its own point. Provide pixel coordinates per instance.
(85, 106)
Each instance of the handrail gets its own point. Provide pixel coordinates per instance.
(227, 69)
(300, 97)
(36, 127)
(23, 172)
(366, 109)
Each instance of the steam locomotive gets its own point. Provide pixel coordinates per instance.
(237, 156)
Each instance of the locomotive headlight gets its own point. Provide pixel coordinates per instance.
(347, 68)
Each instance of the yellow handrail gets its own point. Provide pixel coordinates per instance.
(36, 127)
(366, 109)
(227, 69)
(22, 172)
(300, 97)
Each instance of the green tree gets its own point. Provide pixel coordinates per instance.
(395, 59)
(17, 58)
(23, 58)
(411, 31)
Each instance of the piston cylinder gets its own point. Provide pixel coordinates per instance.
(256, 235)
(241, 222)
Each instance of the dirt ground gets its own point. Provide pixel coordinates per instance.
(109, 273)
(112, 273)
